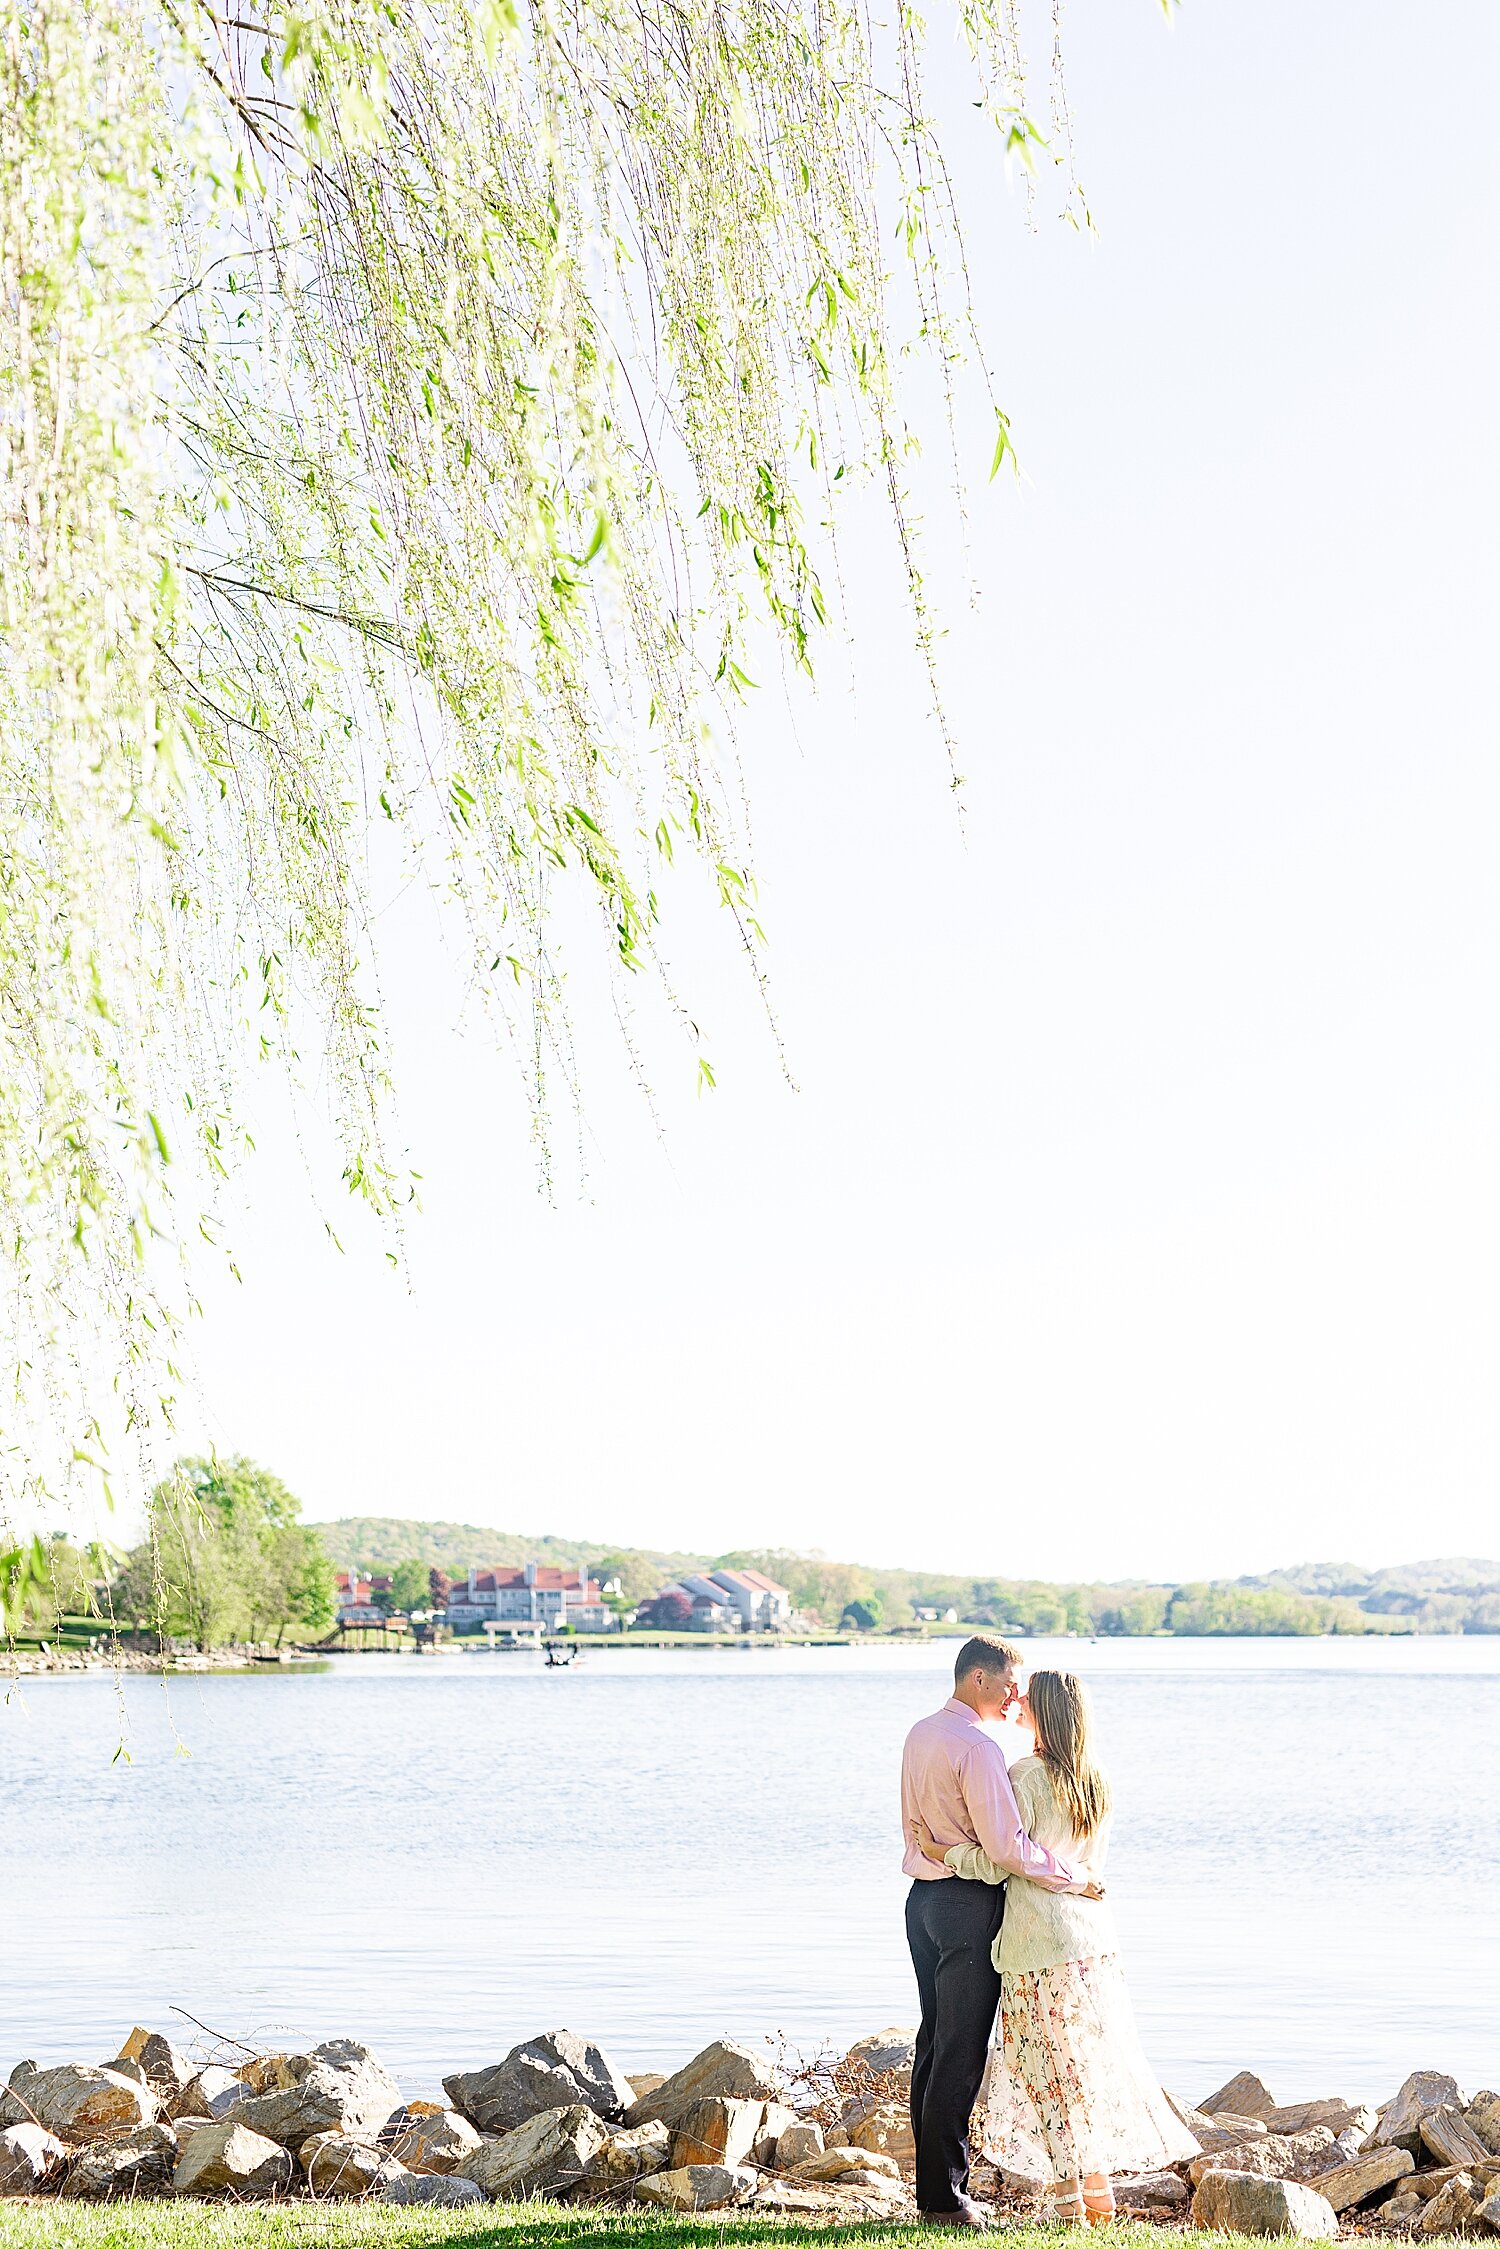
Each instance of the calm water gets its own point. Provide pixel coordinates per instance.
(444, 1855)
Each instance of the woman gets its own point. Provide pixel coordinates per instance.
(1068, 2037)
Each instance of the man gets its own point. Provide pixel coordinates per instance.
(953, 1774)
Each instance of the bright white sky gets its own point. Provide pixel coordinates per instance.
(1139, 1209)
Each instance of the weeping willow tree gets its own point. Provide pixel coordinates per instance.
(412, 416)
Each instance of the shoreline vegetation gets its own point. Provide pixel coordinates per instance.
(230, 1569)
(736, 2132)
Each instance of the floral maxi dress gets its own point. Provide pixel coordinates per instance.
(1081, 2091)
(1068, 2090)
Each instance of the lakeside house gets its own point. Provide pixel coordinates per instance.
(733, 1600)
(354, 1597)
(532, 1593)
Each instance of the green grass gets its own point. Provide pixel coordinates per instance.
(207, 2225)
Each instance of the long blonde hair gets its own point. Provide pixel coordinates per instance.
(1062, 1720)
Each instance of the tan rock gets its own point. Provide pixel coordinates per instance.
(1453, 2209)
(227, 2158)
(1489, 2207)
(717, 2131)
(1448, 2135)
(1273, 2156)
(887, 2130)
(725, 2069)
(29, 2156)
(77, 2102)
(1219, 2132)
(337, 2167)
(838, 2162)
(644, 2081)
(136, 2162)
(548, 2155)
(1483, 2115)
(1242, 2096)
(798, 2144)
(167, 2070)
(775, 2120)
(426, 2138)
(1339, 2116)
(698, 2186)
(1239, 2202)
(1355, 2182)
(272, 2073)
(626, 2157)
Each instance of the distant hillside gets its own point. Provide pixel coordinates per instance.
(1441, 1596)
(379, 1542)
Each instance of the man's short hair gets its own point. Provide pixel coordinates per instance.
(985, 1653)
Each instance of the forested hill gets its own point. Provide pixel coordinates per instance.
(1455, 1595)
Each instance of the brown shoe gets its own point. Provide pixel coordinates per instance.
(968, 2217)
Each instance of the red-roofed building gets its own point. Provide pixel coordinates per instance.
(531, 1593)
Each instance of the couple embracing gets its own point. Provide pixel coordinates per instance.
(1007, 1911)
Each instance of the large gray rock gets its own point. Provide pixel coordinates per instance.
(1355, 2182)
(29, 2156)
(434, 2187)
(548, 2154)
(339, 2087)
(724, 2070)
(213, 2092)
(76, 2101)
(165, 2067)
(1400, 2124)
(717, 2131)
(886, 2052)
(625, 2157)
(558, 2070)
(1273, 2156)
(429, 2139)
(337, 2167)
(1237, 2202)
(1242, 2096)
(1151, 2190)
(226, 2158)
(137, 2162)
(698, 2186)
(798, 2144)
(1483, 2113)
(1448, 2134)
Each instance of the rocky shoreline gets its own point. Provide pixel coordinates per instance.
(111, 1656)
(734, 2129)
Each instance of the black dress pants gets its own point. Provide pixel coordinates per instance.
(951, 1927)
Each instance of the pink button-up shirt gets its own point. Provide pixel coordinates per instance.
(954, 1774)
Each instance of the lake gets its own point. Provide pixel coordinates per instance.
(442, 1855)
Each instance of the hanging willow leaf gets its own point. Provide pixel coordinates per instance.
(412, 411)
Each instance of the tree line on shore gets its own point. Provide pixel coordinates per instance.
(227, 1558)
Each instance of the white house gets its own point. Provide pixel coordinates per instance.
(760, 1604)
(533, 1593)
